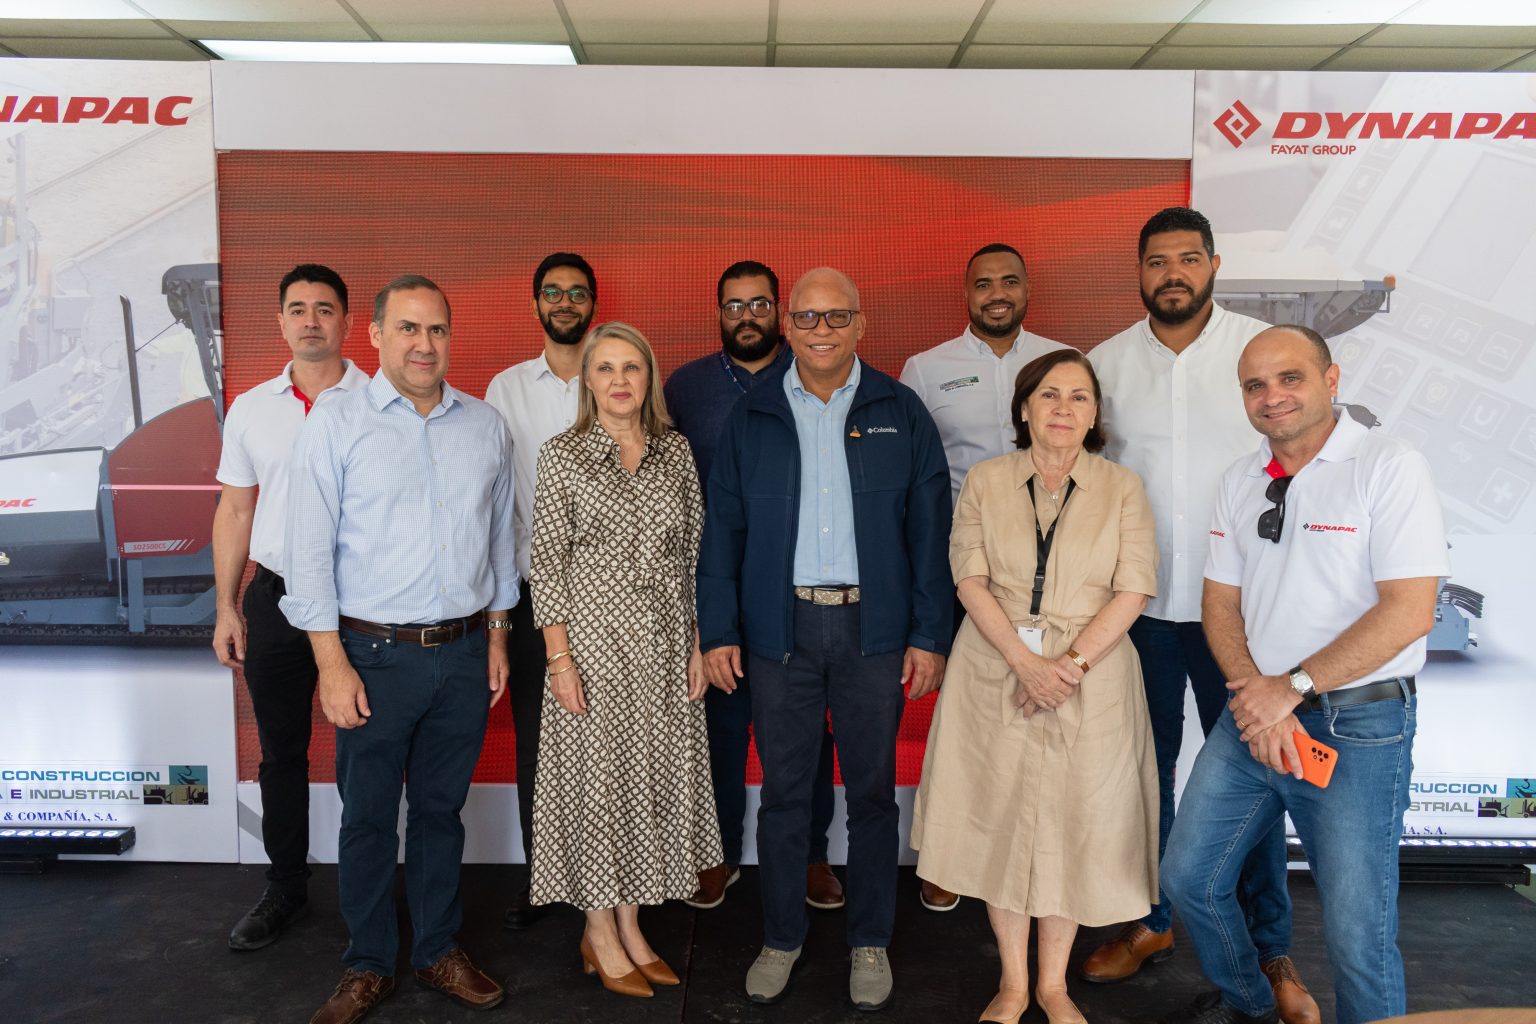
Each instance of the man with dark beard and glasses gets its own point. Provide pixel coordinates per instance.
(1172, 415)
(537, 398)
(967, 384)
(699, 396)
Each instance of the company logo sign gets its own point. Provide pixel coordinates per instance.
(1298, 131)
(1328, 528)
(163, 110)
(1237, 123)
(17, 502)
(155, 547)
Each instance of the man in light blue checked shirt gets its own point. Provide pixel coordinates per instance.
(400, 538)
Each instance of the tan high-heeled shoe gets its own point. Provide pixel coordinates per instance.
(631, 984)
(1007, 1020)
(658, 973)
(1076, 1018)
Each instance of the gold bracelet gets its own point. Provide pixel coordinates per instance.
(1077, 659)
(563, 671)
(557, 656)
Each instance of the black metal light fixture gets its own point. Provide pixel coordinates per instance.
(30, 850)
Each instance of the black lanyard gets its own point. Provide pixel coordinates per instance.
(1043, 545)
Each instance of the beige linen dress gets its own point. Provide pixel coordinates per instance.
(1055, 814)
(623, 807)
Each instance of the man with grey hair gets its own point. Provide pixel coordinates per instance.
(825, 556)
(410, 659)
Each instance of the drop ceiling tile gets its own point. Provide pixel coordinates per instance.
(1455, 35)
(993, 55)
(245, 10)
(1239, 58)
(1267, 35)
(107, 49)
(1526, 63)
(317, 31)
(674, 21)
(753, 55)
(1302, 12)
(1423, 58)
(1105, 22)
(885, 56)
(464, 21)
(875, 21)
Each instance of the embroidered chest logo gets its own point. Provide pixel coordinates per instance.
(1328, 528)
(960, 382)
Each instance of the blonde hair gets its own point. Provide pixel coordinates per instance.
(653, 411)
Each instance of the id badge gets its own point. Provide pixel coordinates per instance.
(1034, 638)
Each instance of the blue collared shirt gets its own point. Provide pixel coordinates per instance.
(825, 553)
(397, 517)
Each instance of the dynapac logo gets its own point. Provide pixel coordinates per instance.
(1237, 125)
(1328, 528)
(17, 502)
(166, 110)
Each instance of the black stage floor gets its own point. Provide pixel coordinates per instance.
(128, 943)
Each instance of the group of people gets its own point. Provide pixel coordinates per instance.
(785, 544)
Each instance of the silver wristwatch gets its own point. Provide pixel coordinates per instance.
(1302, 683)
(498, 623)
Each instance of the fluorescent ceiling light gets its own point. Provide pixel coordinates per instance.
(392, 53)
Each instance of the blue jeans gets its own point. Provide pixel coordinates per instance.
(790, 701)
(1350, 832)
(1171, 652)
(430, 706)
(730, 736)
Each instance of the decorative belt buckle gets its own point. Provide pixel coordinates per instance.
(436, 636)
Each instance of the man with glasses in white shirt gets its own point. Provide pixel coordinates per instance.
(537, 398)
(1172, 415)
(278, 662)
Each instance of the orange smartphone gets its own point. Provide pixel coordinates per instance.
(1318, 760)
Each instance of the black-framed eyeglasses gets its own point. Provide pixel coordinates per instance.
(807, 319)
(579, 296)
(1271, 520)
(735, 309)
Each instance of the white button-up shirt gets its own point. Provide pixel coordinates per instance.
(1178, 421)
(258, 439)
(537, 405)
(1363, 511)
(968, 390)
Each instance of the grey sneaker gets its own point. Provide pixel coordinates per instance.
(869, 979)
(769, 974)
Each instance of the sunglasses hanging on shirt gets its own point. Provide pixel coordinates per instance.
(1272, 520)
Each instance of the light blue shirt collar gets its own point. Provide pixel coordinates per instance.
(795, 387)
(381, 392)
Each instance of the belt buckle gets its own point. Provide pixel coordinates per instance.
(436, 636)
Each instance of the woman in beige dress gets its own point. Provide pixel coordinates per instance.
(1039, 791)
(623, 809)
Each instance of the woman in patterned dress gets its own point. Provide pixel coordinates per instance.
(623, 809)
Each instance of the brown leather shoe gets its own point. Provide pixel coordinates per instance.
(658, 973)
(1294, 1003)
(1123, 955)
(712, 885)
(822, 889)
(359, 992)
(631, 984)
(458, 979)
(935, 898)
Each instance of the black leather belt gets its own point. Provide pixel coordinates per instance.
(427, 636)
(1381, 689)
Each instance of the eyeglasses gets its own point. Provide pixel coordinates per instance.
(807, 319)
(579, 296)
(734, 309)
(1271, 520)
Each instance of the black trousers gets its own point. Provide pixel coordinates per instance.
(525, 697)
(280, 674)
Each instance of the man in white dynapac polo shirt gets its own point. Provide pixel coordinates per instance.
(1172, 415)
(1325, 556)
(967, 385)
(279, 664)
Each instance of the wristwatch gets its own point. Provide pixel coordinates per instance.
(1305, 688)
(498, 623)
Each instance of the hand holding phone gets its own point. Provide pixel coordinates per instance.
(1318, 760)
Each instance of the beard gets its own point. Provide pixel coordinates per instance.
(999, 330)
(1179, 316)
(750, 351)
(569, 336)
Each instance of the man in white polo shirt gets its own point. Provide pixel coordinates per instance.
(1171, 414)
(278, 661)
(967, 385)
(1325, 556)
(537, 398)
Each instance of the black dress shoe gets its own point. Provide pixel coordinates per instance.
(521, 914)
(1209, 1009)
(265, 921)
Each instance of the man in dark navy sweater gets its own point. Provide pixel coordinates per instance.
(700, 395)
(825, 555)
